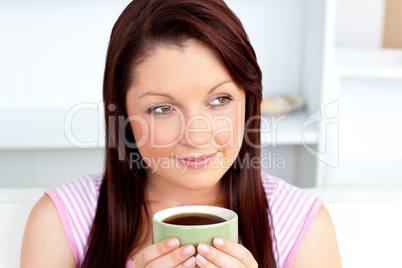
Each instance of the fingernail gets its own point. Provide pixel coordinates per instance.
(173, 243)
(203, 248)
(189, 262)
(201, 259)
(188, 249)
(218, 241)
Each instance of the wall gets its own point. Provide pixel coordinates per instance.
(360, 23)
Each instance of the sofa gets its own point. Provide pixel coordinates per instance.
(368, 223)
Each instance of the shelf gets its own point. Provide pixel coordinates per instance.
(289, 130)
(369, 63)
(44, 128)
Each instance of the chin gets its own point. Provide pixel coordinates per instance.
(198, 186)
(200, 180)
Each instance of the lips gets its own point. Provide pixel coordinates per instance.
(196, 159)
(196, 162)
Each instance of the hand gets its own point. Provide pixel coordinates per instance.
(166, 253)
(225, 253)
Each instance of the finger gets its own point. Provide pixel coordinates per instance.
(154, 251)
(217, 257)
(189, 263)
(174, 258)
(204, 263)
(236, 250)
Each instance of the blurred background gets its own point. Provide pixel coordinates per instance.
(342, 58)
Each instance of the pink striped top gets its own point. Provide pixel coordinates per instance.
(291, 212)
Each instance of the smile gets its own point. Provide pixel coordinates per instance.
(196, 162)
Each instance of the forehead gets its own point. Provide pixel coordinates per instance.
(170, 68)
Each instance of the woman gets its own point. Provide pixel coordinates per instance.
(182, 92)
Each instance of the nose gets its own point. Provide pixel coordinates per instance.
(198, 131)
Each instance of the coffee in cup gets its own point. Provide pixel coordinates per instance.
(193, 219)
(195, 224)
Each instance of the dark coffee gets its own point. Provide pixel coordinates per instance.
(193, 219)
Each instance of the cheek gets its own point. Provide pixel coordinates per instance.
(153, 143)
(157, 134)
(229, 130)
(165, 132)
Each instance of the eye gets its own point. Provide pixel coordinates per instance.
(221, 101)
(165, 109)
(161, 110)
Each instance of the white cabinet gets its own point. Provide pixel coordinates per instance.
(369, 87)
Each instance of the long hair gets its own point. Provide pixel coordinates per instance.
(121, 209)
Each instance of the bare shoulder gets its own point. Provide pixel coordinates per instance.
(44, 243)
(319, 247)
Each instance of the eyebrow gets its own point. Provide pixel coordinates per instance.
(153, 93)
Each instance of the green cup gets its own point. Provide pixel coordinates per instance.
(195, 234)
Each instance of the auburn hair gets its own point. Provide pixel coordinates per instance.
(121, 209)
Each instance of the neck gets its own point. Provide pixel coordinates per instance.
(161, 193)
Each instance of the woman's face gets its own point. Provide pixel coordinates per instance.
(183, 103)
